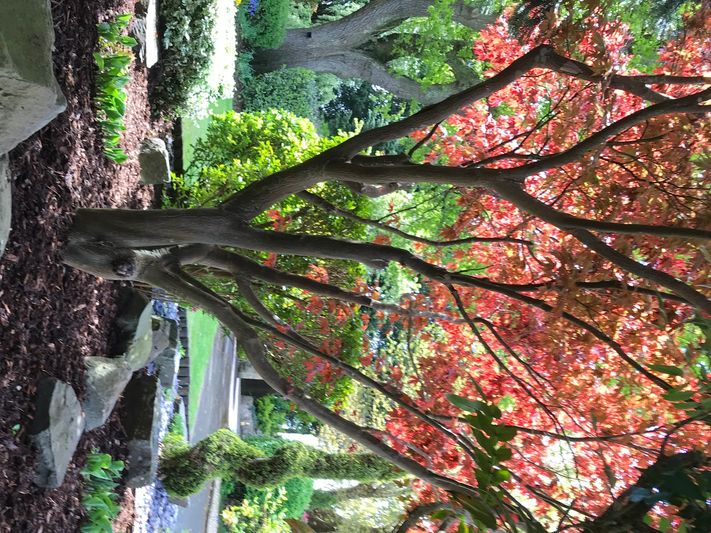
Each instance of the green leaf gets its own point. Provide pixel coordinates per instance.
(667, 369)
(676, 395)
(103, 28)
(442, 513)
(505, 433)
(502, 475)
(128, 41)
(472, 406)
(479, 511)
(503, 454)
(664, 524)
(98, 60)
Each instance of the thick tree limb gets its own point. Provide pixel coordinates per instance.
(418, 513)
(183, 286)
(531, 205)
(626, 512)
(146, 229)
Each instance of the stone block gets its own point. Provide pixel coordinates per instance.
(29, 94)
(56, 429)
(141, 418)
(106, 378)
(167, 364)
(134, 329)
(154, 161)
(5, 202)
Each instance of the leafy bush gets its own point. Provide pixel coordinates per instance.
(274, 412)
(177, 425)
(300, 14)
(263, 22)
(239, 148)
(262, 515)
(297, 90)
(112, 61)
(99, 499)
(357, 101)
(187, 48)
(270, 418)
(298, 490)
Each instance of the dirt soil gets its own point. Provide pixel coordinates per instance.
(51, 316)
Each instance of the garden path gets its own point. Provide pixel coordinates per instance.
(217, 408)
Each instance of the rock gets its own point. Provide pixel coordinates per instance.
(165, 335)
(141, 418)
(106, 378)
(167, 364)
(134, 326)
(5, 203)
(56, 428)
(29, 94)
(145, 31)
(140, 346)
(154, 161)
(132, 306)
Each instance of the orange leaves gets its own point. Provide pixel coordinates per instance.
(317, 273)
(382, 239)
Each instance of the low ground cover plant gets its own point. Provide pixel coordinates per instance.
(99, 498)
(112, 60)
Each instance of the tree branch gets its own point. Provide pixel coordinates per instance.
(330, 208)
(176, 282)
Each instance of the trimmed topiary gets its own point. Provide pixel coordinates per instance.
(223, 454)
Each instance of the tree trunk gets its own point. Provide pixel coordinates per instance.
(335, 47)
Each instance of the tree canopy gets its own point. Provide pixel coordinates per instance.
(548, 338)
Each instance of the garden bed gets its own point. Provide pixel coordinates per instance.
(51, 316)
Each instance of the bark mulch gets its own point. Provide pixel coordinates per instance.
(51, 316)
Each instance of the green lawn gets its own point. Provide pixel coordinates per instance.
(193, 129)
(201, 335)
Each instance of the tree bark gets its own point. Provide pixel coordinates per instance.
(336, 47)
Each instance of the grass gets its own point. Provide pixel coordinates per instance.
(201, 335)
(193, 129)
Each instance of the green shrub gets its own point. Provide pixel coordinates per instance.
(300, 14)
(270, 416)
(185, 58)
(263, 22)
(275, 413)
(99, 498)
(177, 425)
(239, 148)
(297, 90)
(298, 489)
(184, 467)
(261, 515)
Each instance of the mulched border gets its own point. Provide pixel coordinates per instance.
(52, 316)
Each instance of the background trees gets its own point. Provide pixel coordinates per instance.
(549, 231)
(361, 44)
